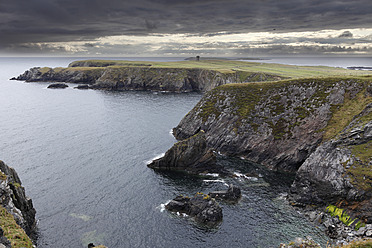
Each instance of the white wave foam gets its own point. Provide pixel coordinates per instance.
(214, 181)
(240, 175)
(162, 206)
(213, 174)
(156, 157)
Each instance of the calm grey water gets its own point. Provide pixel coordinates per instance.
(82, 158)
(336, 61)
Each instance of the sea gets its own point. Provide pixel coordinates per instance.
(82, 157)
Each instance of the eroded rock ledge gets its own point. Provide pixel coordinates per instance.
(191, 155)
(15, 202)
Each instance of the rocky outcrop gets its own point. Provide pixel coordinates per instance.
(110, 76)
(191, 155)
(57, 86)
(15, 201)
(67, 75)
(204, 209)
(319, 128)
(232, 194)
(82, 87)
(276, 124)
(339, 170)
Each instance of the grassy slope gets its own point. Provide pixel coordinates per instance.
(228, 66)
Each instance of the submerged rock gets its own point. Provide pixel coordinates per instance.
(57, 86)
(232, 194)
(191, 155)
(204, 209)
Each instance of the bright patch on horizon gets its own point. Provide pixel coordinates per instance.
(349, 41)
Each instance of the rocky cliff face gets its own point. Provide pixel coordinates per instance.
(191, 155)
(14, 200)
(319, 128)
(141, 77)
(68, 75)
(275, 124)
(339, 170)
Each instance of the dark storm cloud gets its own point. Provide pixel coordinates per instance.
(25, 21)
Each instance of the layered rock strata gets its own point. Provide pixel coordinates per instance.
(191, 155)
(319, 128)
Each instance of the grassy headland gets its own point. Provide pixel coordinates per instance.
(231, 66)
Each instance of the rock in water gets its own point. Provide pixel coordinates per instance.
(57, 86)
(232, 194)
(82, 87)
(203, 208)
(191, 155)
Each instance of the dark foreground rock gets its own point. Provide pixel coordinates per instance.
(232, 194)
(204, 209)
(82, 87)
(57, 86)
(191, 155)
(15, 201)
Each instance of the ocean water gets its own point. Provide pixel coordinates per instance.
(333, 61)
(82, 154)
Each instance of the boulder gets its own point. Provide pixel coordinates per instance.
(57, 86)
(204, 209)
(232, 194)
(82, 87)
(191, 155)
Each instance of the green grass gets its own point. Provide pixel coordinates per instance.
(244, 68)
(343, 114)
(361, 172)
(340, 213)
(12, 231)
(2, 176)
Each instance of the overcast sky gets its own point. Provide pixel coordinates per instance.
(244, 28)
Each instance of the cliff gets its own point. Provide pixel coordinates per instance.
(320, 128)
(181, 76)
(191, 155)
(141, 77)
(17, 213)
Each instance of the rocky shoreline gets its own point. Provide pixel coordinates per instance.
(321, 129)
(142, 77)
(318, 128)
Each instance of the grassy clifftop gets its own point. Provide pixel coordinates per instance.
(230, 66)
